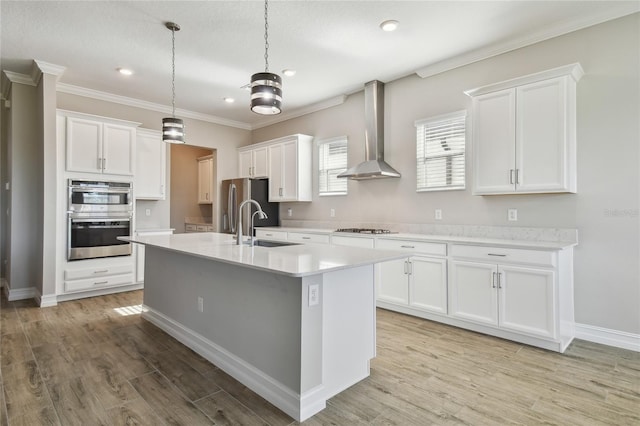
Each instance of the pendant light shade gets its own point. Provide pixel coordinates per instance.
(172, 127)
(266, 93)
(266, 87)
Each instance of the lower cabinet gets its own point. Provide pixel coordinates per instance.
(418, 282)
(97, 278)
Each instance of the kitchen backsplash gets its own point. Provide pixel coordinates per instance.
(498, 232)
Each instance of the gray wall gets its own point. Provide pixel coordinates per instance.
(605, 209)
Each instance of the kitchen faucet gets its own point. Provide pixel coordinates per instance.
(261, 215)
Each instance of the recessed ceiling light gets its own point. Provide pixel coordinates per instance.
(125, 71)
(229, 100)
(389, 25)
(289, 72)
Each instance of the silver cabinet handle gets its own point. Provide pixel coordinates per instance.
(280, 192)
(493, 280)
(511, 171)
(306, 238)
(104, 163)
(101, 282)
(517, 176)
(410, 264)
(408, 247)
(495, 254)
(101, 271)
(499, 279)
(406, 267)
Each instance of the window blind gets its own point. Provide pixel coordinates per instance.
(332, 159)
(440, 152)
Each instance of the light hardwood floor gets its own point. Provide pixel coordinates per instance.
(96, 362)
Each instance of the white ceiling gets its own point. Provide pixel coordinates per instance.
(335, 46)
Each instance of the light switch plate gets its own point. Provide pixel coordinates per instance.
(438, 214)
(512, 214)
(314, 294)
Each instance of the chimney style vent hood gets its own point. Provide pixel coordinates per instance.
(374, 167)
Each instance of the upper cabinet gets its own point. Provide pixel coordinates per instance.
(151, 165)
(96, 145)
(286, 162)
(524, 134)
(205, 180)
(290, 169)
(252, 162)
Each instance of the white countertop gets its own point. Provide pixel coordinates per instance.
(484, 241)
(295, 260)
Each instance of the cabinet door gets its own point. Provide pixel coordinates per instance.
(151, 160)
(245, 164)
(260, 166)
(526, 300)
(542, 140)
(428, 284)
(494, 134)
(118, 149)
(275, 172)
(290, 171)
(393, 285)
(473, 292)
(204, 181)
(84, 145)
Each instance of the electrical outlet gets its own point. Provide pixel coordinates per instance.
(147, 212)
(200, 304)
(289, 212)
(438, 214)
(7, 186)
(314, 294)
(332, 212)
(512, 214)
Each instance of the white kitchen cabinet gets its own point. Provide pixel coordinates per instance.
(252, 162)
(524, 134)
(290, 169)
(205, 180)
(308, 237)
(140, 250)
(417, 283)
(518, 298)
(151, 165)
(353, 241)
(95, 145)
(98, 277)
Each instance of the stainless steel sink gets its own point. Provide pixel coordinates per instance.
(269, 243)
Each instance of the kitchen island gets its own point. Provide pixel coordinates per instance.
(296, 323)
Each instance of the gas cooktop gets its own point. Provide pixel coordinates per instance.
(365, 230)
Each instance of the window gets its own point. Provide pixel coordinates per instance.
(440, 143)
(332, 160)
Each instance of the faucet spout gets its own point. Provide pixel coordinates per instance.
(260, 213)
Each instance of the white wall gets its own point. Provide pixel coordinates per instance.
(605, 209)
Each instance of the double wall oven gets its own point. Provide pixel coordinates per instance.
(98, 213)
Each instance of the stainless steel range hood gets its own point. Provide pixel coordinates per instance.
(374, 167)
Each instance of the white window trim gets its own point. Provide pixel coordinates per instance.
(325, 141)
(434, 120)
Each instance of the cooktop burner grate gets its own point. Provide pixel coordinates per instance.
(364, 230)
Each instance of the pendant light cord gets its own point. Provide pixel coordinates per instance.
(266, 36)
(173, 72)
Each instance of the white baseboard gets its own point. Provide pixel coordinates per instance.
(289, 401)
(47, 300)
(21, 293)
(607, 336)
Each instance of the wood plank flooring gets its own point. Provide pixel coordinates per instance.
(97, 362)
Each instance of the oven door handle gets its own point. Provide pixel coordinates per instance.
(94, 217)
(100, 190)
(100, 227)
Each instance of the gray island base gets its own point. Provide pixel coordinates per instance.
(294, 324)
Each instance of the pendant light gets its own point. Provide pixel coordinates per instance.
(172, 127)
(266, 87)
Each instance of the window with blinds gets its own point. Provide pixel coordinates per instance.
(440, 143)
(332, 160)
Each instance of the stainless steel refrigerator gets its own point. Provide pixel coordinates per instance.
(234, 192)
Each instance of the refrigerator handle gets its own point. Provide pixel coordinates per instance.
(232, 206)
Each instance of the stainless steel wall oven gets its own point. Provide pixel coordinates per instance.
(98, 213)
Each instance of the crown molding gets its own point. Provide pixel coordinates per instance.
(15, 77)
(137, 103)
(41, 67)
(517, 43)
(331, 102)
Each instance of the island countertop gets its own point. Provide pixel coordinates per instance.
(297, 260)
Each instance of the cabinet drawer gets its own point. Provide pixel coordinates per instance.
(209, 228)
(201, 228)
(308, 238)
(422, 247)
(503, 254)
(341, 240)
(271, 235)
(97, 283)
(74, 274)
(190, 228)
